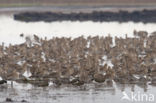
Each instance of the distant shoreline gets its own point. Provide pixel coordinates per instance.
(136, 5)
(145, 16)
(73, 9)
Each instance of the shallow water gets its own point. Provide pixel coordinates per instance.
(11, 29)
(89, 93)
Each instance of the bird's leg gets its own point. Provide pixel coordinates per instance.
(12, 84)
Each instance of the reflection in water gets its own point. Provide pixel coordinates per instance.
(88, 93)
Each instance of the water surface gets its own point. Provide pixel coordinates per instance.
(11, 29)
(89, 93)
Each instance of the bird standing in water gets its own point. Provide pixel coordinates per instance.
(11, 75)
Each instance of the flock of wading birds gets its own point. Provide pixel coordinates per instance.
(81, 60)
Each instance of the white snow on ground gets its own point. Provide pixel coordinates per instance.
(11, 29)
